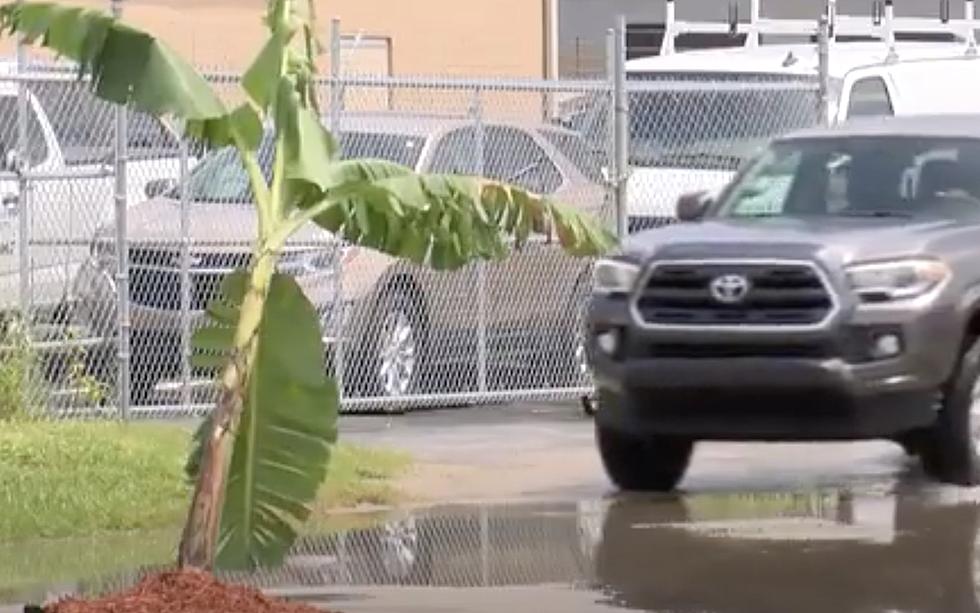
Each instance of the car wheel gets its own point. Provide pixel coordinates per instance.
(650, 463)
(949, 452)
(394, 352)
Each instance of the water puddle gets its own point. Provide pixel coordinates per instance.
(825, 551)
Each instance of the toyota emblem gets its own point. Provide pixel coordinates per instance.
(729, 289)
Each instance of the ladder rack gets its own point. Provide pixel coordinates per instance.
(881, 23)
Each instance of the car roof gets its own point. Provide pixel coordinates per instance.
(417, 124)
(793, 59)
(965, 125)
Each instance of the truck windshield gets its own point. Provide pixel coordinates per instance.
(874, 176)
(221, 176)
(713, 125)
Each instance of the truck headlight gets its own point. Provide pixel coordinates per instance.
(897, 279)
(611, 276)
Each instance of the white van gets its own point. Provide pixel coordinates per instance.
(696, 116)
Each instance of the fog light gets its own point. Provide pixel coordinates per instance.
(886, 346)
(608, 341)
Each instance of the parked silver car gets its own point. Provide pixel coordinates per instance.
(405, 330)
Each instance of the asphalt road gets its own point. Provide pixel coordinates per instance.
(547, 451)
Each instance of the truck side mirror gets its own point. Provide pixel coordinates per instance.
(158, 187)
(11, 160)
(692, 206)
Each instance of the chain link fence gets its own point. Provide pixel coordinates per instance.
(79, 277)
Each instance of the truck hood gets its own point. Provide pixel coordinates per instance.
(834, 240)
(219, 225)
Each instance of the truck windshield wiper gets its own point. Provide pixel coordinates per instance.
(706, 158)
(873, 214)
(759, 215)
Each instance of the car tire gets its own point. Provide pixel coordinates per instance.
(949, 452)
(645, 464)
(393, 351)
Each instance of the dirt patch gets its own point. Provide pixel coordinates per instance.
(180, 592)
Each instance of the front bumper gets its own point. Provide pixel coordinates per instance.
(742, 385)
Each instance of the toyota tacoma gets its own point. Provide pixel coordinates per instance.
(831, 291)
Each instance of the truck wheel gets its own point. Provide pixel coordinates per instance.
(948, 452)
(652, 463)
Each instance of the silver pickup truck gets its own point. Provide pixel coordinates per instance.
(831, 291)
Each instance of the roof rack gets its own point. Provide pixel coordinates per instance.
(881, 23)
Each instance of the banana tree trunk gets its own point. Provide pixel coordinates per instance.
(199, 541)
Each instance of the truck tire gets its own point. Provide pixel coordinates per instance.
(645, 464)
(949, 452)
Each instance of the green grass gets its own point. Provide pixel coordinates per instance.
(71, 479)
(27, 568)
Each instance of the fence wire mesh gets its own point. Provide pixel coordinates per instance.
(397, 336)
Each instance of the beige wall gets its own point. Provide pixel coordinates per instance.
(434, 37)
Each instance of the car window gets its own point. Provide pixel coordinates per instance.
(85, 125)
(456, 153)
(221, 176)
(399, 148)
(37, 148)
(585, 159)
(869, 98)
(861, 176)
(512, 156)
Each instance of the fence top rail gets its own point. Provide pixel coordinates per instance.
(800, 85)
(67, 70)
(447, 83)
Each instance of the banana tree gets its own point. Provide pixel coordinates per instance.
(264, 451)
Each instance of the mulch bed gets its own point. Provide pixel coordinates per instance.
(180, 592)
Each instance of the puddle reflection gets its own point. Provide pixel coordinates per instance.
(829, 551)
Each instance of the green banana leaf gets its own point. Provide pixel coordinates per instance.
(283, 442)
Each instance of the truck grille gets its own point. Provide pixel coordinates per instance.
(775, 294)
(155, 277)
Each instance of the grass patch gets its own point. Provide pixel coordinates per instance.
(29, 568)
(69, 479)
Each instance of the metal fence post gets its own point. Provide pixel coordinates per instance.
(23, 209)
(122, 249)
(481, 267)
(621, 122)
(608, 124)
(823, 67)
(336, 102)
(185, 279)
(336, 93)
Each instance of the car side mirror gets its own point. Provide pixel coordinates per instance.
(11, 160)
(158, 187)
(693, 206)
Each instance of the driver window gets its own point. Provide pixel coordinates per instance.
(766, 192)
(37, 148)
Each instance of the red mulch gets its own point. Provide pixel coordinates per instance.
(182, 592)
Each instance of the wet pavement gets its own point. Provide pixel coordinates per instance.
(757, 529)
(831, 550)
